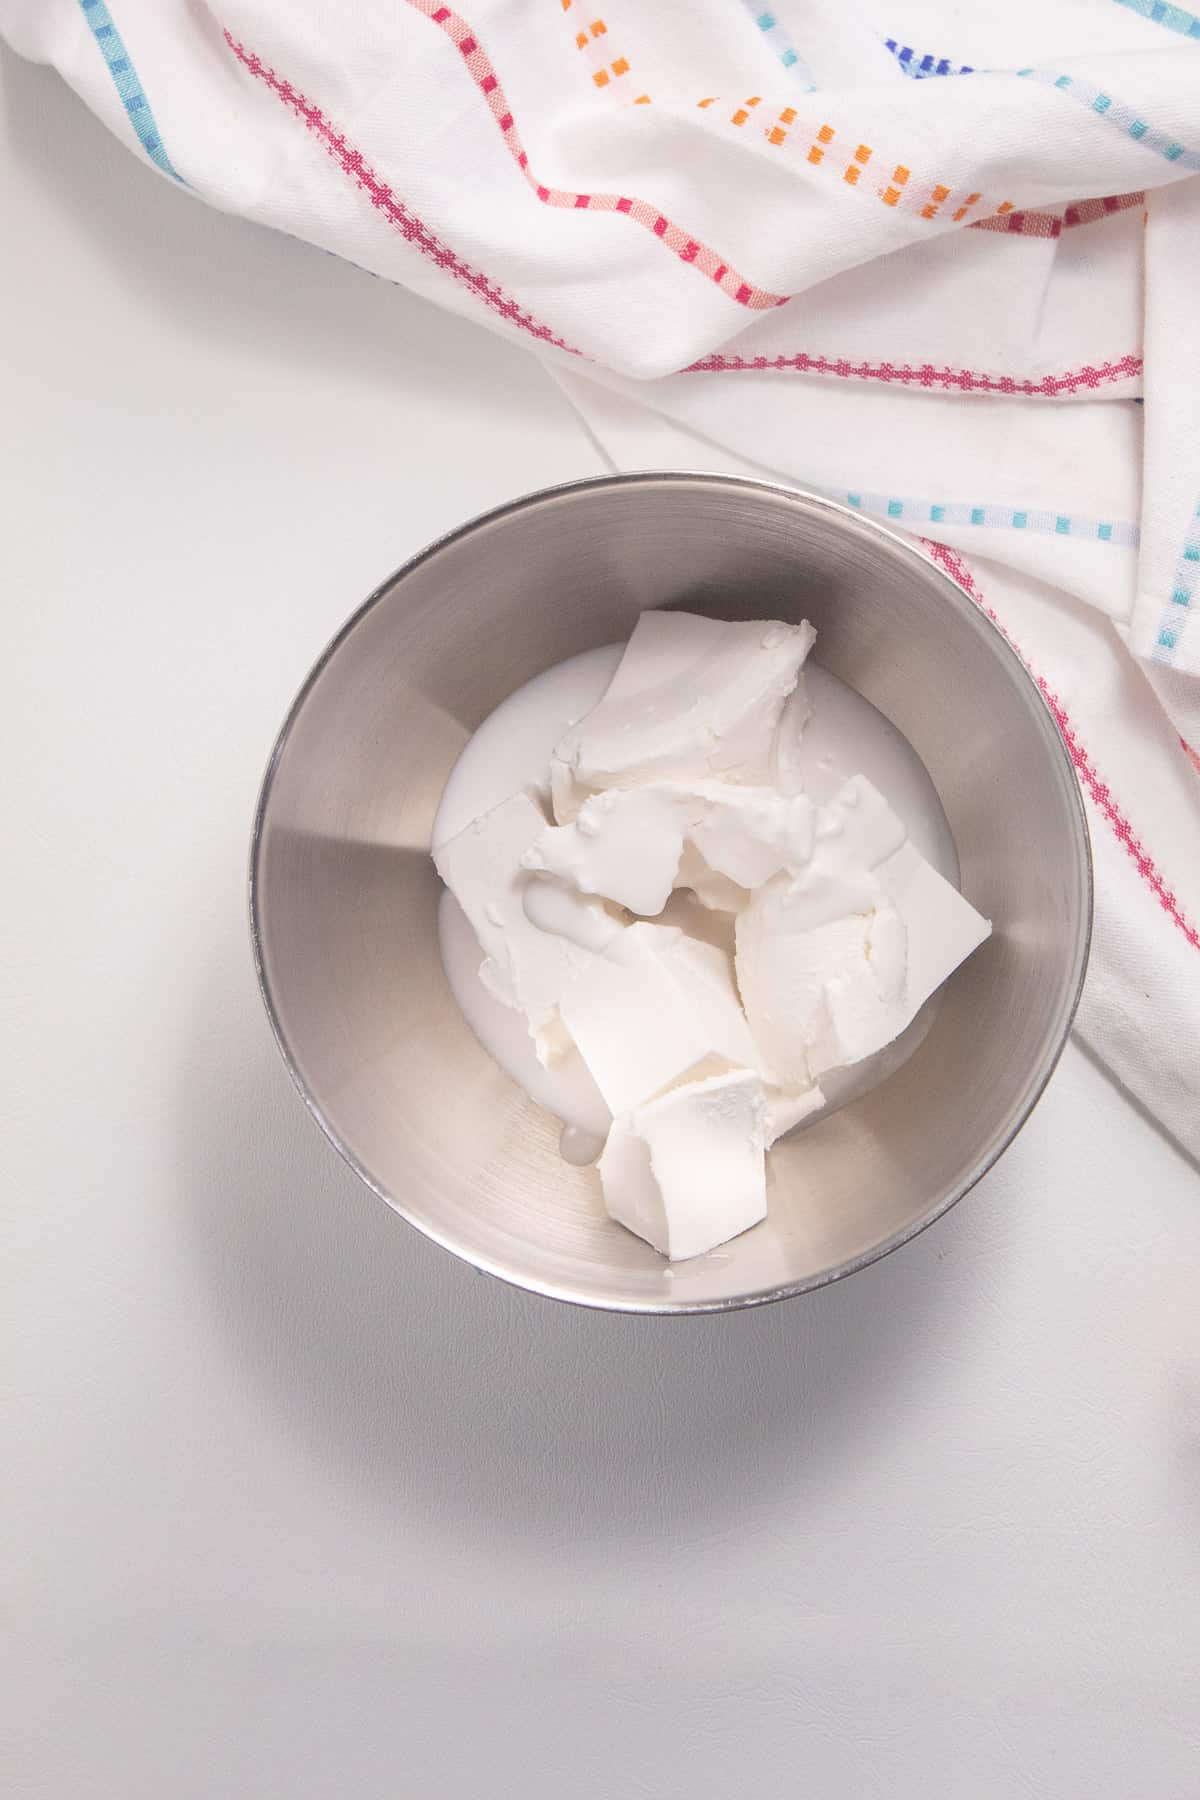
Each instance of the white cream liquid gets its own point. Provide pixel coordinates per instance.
(845, 736)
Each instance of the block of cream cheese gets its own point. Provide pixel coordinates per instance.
(787, 760)
(749, 834)
(628, 844)
(535, 941)
(823, 990)
(820, 949)
(785, 1111)
(942, 929)
(624, 844)
(855, 832)
(650, 1011)
(714, 891)
(813, 995)
(692, 697)
(687, 1171)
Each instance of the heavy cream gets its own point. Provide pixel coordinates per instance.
(701, 923)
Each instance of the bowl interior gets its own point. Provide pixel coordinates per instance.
(344, 895)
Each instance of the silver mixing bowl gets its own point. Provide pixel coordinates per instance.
(343, 895)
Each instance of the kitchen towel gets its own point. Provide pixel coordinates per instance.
(936, 261)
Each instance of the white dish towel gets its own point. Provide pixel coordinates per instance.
(926, 258)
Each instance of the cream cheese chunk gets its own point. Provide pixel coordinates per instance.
(819, 997)
(787, 1110)
(692, 697)
(657, 1006)
(630, 844)
(624, 845)
(714, 891)
(687, 1171)
(836, 962)
(941, 928)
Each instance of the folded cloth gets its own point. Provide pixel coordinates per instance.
(925, 258)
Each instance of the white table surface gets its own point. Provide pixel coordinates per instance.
(303, 1507)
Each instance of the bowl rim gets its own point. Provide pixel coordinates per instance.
(1080, 843)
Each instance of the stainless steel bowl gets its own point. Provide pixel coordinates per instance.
(343, 894)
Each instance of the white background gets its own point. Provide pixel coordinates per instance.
(301, 1507)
